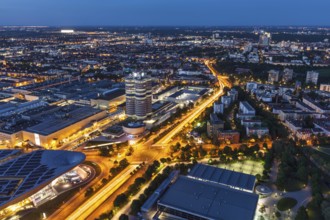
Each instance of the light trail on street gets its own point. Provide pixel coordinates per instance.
(97, 199)
(197, 111)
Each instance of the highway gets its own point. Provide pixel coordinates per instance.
(97, 199)
(143, 151)
(190, 117)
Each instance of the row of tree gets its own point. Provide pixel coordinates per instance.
(122, 198)
(155, 183)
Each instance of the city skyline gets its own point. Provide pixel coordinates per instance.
(126, 109)
(164, 13)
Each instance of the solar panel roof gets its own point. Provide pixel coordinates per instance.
(28, 171)
(7, 153)
(223, 176)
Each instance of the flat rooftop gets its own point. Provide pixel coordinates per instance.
(223, 176)
(19, 125)
(112, 94)
(28, 172)
(214, 119)
(209, 200)
(61, 119)
(247, 105)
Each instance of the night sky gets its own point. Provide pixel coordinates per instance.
(164, 12)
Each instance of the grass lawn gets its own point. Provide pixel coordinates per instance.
(286, 203)
(246, 166)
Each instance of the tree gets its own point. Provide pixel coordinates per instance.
(156, 163)
(135, 206)
(264, 145)
(227, 150)
(89, 191)
(281, 178)
(302, 173)
(302, 214)
(106, 216)
(163, 160)
(139, 181)
(123, 217)
(202, 152)
(113, 171)
(222, 157)
(120, 200)
(123, 163)
(104, 151)
(326, 209)
(104, 181)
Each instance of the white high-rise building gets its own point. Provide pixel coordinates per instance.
(138, 95)
(264, 39)
(312, 77)
(273, 76)
(287, 75)
(218, 107)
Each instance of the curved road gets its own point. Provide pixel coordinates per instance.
(71, 205)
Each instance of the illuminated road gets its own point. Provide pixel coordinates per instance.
(79, 208)
(199, 109)
(97, 199)
(72, 204)
(126, 209)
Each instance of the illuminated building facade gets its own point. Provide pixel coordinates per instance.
(138, 96)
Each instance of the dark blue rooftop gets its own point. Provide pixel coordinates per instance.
(7, 153)
(209, 200)
(29, 171)
(223, 176)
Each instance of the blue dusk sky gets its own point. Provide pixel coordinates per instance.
(164, 12)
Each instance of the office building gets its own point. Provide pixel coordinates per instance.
(213, 125)
(312, 77)
(228, 136)
(287, 75)
(257, 131)
(226, 100)
(297, 85)
(264, 39)
(218, 108)
(138, 95)
(58, 123)
(233, 93)
(110, 99)
(246, 108)
(273, 76)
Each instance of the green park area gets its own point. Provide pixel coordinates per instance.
(246, 166)
(286, 203)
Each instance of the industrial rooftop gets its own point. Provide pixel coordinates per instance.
(61, 119)
(209, 200)
(223, 176)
